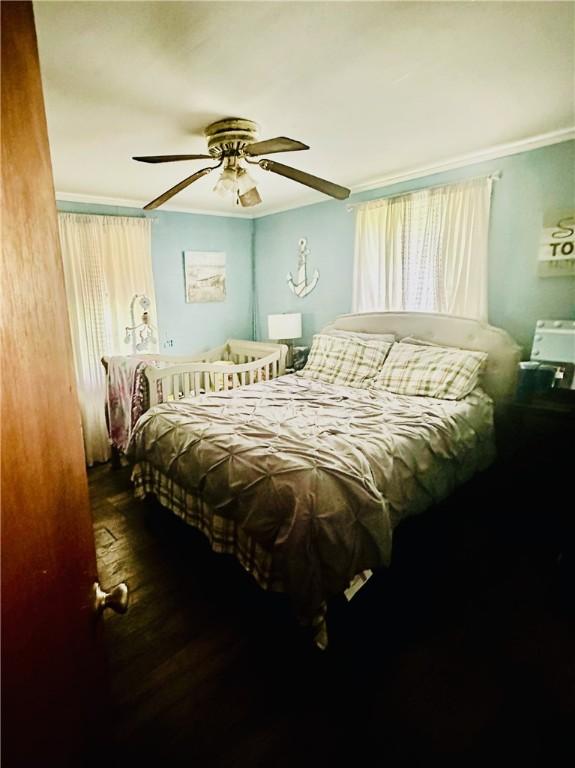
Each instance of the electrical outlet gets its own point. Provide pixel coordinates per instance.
(169, 343)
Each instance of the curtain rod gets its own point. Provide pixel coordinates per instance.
(352, 206)
(110, 215)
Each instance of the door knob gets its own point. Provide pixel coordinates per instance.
(117, 599)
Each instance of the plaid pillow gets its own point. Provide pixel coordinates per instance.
(442, 372)
(344, 361)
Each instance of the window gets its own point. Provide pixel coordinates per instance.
(107, 259)
(425, 251)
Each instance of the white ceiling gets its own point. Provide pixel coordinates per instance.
(376, 88)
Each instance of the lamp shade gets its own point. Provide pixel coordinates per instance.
(285, 326)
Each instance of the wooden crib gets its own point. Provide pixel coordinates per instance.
(235, 364)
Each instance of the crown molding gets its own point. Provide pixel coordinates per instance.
(471, 158)
(120, 202)
(460, 161)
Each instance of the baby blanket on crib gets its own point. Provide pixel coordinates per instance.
(127, 394)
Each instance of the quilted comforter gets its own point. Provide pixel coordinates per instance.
(319, 475)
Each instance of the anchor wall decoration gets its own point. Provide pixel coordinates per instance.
(300, 286)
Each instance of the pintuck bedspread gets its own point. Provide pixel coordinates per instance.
(318, 475)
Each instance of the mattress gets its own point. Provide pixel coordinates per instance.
(308, 480)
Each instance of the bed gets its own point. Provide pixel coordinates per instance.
(303, 481)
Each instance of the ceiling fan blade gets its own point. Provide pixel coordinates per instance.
(327, 187)
(170, 158)
(178, 188)
(269, 146)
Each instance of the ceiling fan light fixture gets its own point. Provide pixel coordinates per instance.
(226, 185)
(245, 182)
(250, 198)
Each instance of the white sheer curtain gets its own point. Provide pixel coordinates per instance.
(107, 259)
(425, 251)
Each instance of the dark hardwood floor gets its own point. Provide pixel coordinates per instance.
(463, 652)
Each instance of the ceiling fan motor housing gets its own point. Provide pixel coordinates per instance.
(230, 136)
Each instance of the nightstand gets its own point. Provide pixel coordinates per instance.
(546, 424)
(540, 467)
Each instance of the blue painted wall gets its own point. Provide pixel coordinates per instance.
(531, 183)
(194, 327)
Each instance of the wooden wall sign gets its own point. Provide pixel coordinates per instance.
(557, 247)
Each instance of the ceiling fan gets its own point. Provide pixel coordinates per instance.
(233, 142)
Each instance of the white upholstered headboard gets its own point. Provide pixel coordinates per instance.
(499, 378)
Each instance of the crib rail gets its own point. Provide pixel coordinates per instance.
(235, 351)
(236, 364)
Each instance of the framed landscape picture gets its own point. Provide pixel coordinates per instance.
(205, 275)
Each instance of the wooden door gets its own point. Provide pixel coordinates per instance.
(52, 660)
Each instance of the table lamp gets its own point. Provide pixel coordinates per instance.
(285, 328)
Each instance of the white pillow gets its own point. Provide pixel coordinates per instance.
(421, 342)
(387, 337)
(432, 371)
(344, 361)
